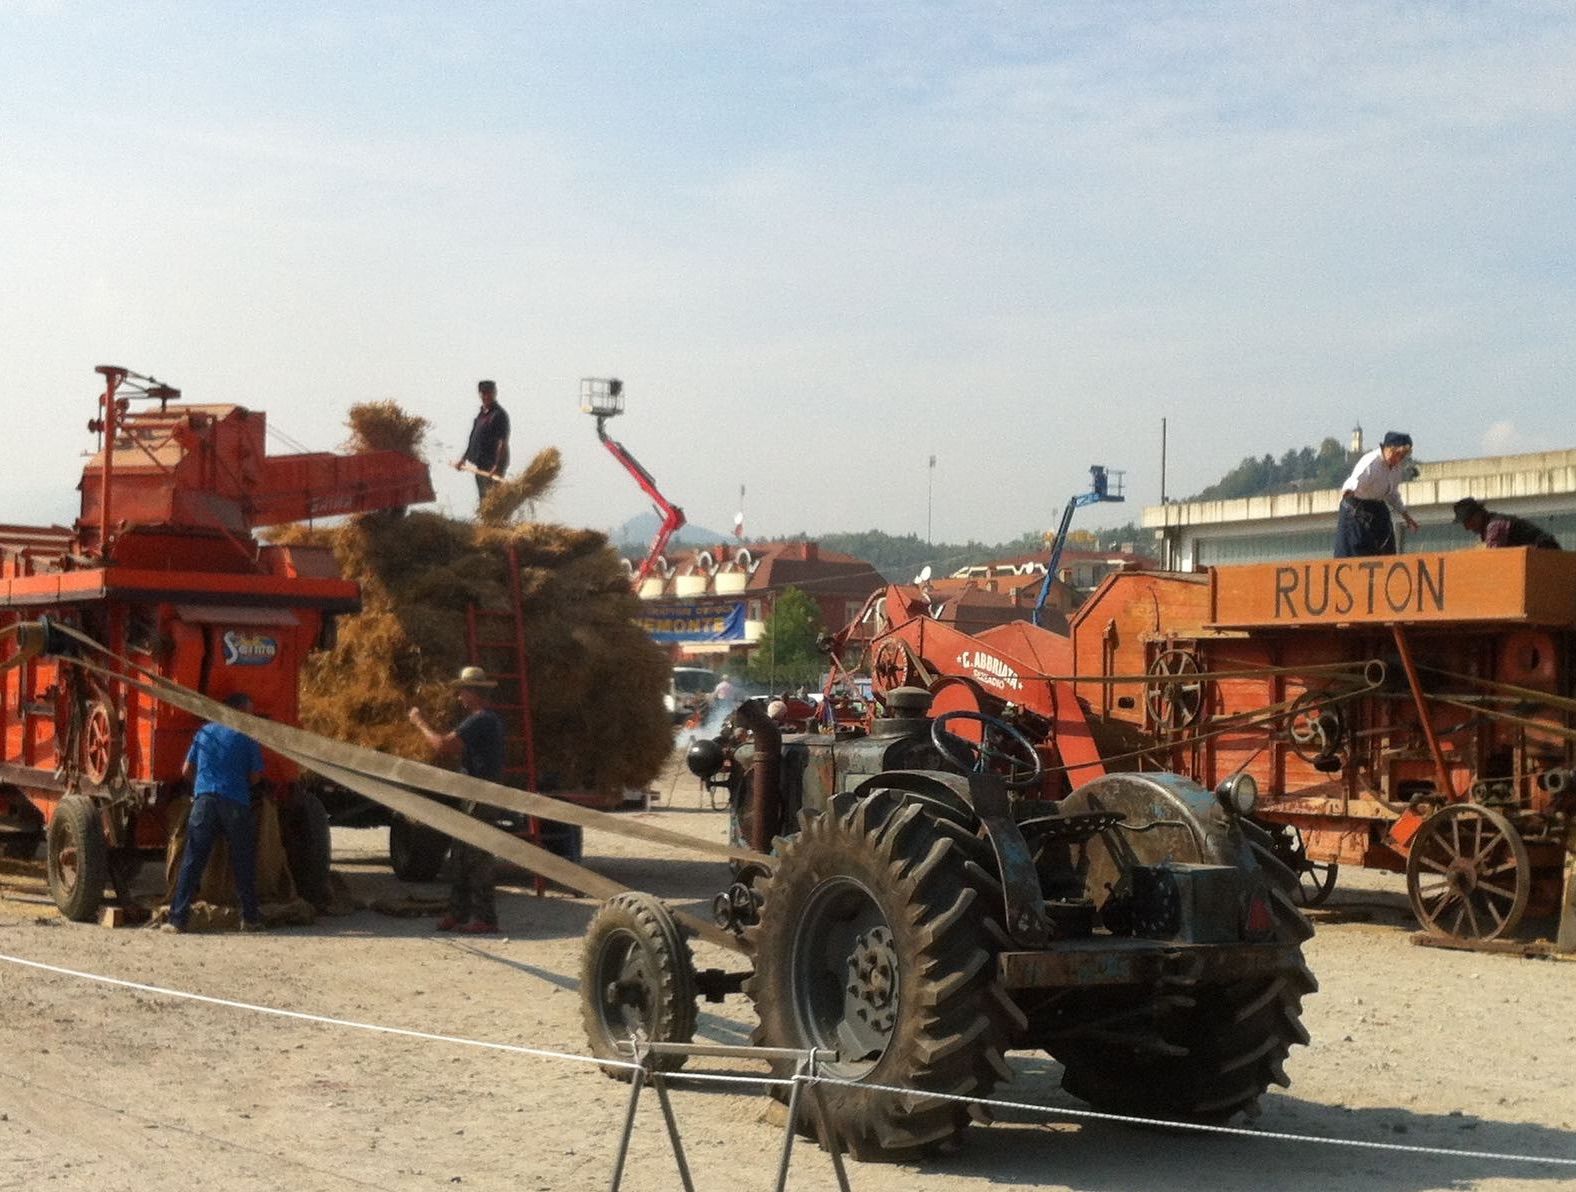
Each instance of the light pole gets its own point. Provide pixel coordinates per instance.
(930, 484)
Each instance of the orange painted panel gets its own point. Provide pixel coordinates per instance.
(1474, 585)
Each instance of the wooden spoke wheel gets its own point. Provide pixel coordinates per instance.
(1174, 699)
(891, 667)
(99, 750)
(1468, 875)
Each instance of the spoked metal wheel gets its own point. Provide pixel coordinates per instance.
(1315, 879)
(1177, 699)
(100, 738)
(1468, 875)
(845, 976)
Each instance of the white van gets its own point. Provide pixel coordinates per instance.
(688, 688)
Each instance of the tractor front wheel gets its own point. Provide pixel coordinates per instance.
(637, 978)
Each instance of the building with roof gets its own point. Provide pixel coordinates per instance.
(715, 600)
(1540, 486)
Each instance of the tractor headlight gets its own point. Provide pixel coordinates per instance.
(1238, 794)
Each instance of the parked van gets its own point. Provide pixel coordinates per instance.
(688, 688)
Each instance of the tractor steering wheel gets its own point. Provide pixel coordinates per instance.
(1011, 749)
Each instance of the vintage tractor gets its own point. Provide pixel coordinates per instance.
(920, 911)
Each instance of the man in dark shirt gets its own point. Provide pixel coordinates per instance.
(478, 739)
(1501, 529)
(222, 765)
(487, 451)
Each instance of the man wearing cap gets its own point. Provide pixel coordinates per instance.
(478, 739)
(1371, 492)
(487, 450)
(1502, 529)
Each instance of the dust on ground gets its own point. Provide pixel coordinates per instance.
(107, 1088)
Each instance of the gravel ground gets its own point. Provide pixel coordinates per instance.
(108, 1088)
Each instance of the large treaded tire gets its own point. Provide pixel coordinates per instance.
(879, 878)
(1233, 1037)
(416, 852)
(77, 859)
(309, 848)
(636, 973)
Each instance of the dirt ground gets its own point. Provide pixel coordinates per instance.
(106, 1088)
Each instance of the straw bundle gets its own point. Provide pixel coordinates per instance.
(507, 497)
(383, 426)
(596, 679)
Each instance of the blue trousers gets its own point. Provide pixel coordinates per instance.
(213, 817)
(1363, 528)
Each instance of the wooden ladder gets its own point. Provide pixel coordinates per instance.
(495, 641)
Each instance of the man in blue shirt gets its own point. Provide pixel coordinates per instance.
(479, 740)
(221, 765)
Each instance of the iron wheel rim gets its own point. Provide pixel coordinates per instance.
(846, 981)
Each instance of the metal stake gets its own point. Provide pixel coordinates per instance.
(637, 1081)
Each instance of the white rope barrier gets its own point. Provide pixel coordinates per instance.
(1200, 1127)
(762, 1081)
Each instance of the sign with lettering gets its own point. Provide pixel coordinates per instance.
(242, 648)
(694, 622)
(1464, 585)
(988, 669)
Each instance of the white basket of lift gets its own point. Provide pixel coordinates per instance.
(602, 396)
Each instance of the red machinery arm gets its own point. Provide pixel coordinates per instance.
(207, 466)
(672, 515)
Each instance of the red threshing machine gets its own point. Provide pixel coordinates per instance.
(162, 567)
(1415, 713)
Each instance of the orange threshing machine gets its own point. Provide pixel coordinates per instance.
(1415, 713)
(161, 566)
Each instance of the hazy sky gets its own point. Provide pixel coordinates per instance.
(819, 242)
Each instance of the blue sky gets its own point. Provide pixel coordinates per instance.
(819, 242)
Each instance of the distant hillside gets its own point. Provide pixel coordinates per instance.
(639, 530)
(1306, 468)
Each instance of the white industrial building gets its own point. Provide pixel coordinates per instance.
(1540, 486)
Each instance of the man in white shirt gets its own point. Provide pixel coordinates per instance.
(1371, 492)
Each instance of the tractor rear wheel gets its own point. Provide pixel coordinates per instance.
(78, 859)
(637, 977)
(416, 852)
(1191, 1051)
(874, 942)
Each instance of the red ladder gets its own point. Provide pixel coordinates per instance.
(500, 634)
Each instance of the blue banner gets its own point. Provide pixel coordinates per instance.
(694, 622)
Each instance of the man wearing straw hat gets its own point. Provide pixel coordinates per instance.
(478, 739)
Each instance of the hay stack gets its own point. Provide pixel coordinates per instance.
(596, 679)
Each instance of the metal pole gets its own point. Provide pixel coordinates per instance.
(930, 485)
(1162, 461)
(635, 1084)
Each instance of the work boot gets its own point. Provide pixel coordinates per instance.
(478, 927)
(450, 923)
(173, 928)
